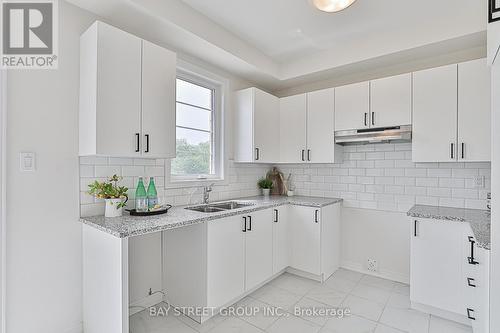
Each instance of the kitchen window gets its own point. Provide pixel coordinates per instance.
(198, 137)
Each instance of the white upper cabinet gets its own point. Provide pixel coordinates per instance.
(256, 130)
(474, 111)
(116, 68)
(390, 101)
(293, 129)
(158, 93)
(352, 106)
(451, 113)
(435, 114)
(321, 147)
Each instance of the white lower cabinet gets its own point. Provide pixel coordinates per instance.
(315, 239)
(259, 248)
(475, 279)
(225, 260)
(281, 239)
(216, 263)
(448, 273)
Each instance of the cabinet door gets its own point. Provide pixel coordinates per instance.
(293, 129)
(266, 127)
(436, 264)
(306, 227)
(259, 248)
(118, 92)
(158, 101)
(321, 146)
(281, 239)
(390, 101)
(225, 260)
(330, 239)
(435, 115)
(352, 106)
(474, 111)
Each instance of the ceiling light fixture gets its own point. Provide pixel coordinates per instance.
(332, 6)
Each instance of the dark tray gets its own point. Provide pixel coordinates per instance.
(133, 212)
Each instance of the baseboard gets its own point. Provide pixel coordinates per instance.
(456, 317)
(144, 303)
(385, 274)
(303, 274)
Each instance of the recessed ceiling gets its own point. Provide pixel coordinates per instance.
(288, 30)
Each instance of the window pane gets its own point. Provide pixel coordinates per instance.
(192, 117)
(194, 94)
(193, 153)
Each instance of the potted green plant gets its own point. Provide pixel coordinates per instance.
(116, 197)
(266, 185)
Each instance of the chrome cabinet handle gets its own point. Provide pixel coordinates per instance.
(463, 150)
(452, 151)
(249, 223)
(415, 228)
(276, 216)
(373, 118)
(244, 224)
(471, 259)
(366, 116)
(303, 155)
(316, 216)
(309, 154)
(257, 154)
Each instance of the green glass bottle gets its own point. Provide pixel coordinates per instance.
(152, 194)
(141, 198)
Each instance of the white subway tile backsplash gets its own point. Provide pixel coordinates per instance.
(380, 176)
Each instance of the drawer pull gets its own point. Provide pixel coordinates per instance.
(470, 284)
(244, 224)
(471, 259)
(469, 311)
(276, 216)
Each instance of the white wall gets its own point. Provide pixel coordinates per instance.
(44, 292)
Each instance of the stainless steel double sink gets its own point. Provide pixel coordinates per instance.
(219, 206)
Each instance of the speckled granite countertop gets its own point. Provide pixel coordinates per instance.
(479, 220)
(128, 226)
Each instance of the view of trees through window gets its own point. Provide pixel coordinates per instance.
(195, 137)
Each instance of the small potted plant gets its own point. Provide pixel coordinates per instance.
(266, 185)
(115, 196)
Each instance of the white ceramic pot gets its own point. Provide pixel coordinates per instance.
(266, 192)
(112, 209)
(290, 193)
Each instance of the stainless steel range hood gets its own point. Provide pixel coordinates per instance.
(374, 135)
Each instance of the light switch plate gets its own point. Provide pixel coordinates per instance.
(27, 162)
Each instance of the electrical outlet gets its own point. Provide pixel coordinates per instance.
(478, 181)
(372, 265)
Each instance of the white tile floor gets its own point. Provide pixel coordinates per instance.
(377, 306)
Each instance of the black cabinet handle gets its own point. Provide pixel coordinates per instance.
(303, 155)
(147, 143)
(138, 142)
(373, 118)
(366, 116)
(309, 154)
(276, 215)
(257, 154)
(469, 314)
(249, 223)
(316, 216)
(415, 225)
(452, 151)
(470, 284)
(471, 259)
(463, 150)
(244, 224)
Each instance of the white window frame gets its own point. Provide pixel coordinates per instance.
(196, 75)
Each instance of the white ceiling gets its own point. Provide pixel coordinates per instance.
(280, 44)
(287, 30)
